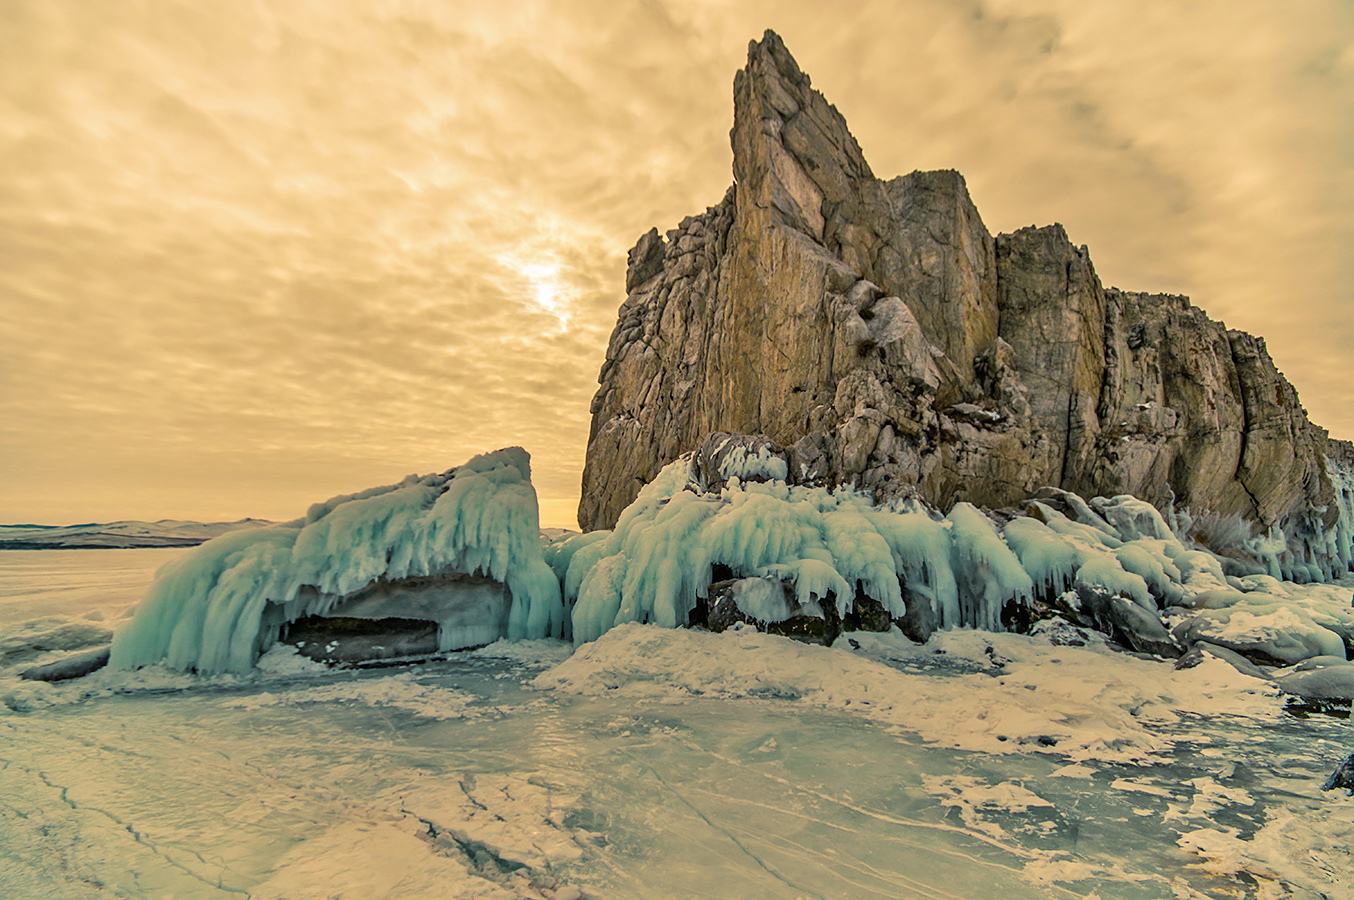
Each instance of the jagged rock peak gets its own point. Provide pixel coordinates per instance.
(793, 155)
(879, 333)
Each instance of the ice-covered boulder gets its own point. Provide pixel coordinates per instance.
(51, 633)
(771, 605)
(1127, 621)
(1271, 634)
(742, 456)
(1202, 650)
(1334, 680)
(460, 549)
(72, 665)
(1215, 599)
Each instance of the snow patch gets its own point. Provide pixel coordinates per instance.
(395, 691)
(1085, 703)
(541, 653)
(488, 837)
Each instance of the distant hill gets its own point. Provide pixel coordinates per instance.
(117, 535)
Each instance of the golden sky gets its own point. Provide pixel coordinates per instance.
(254, 254)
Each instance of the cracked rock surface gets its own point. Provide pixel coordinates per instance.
(877, 331)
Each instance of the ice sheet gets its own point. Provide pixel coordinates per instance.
(763, 768)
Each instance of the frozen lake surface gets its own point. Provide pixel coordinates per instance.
(658, 764)
(37, 583)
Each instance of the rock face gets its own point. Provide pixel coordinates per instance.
(1342, 777)
(74, 665)
(879, 333)
(355, 639)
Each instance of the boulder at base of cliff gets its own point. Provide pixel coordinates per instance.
(1127, 621)
(1342, 777)
(1269, 636)
(1202, 650)
(770, 605)
(1334, 681)
(75, 665)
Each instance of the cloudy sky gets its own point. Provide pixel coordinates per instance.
(253, 254)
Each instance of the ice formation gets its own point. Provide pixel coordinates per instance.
(833, 549)
(462, 549)
(661, 557)
(764, 599)
(218, 607)
(737, 460)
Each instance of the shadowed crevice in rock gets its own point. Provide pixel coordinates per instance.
(343, 639)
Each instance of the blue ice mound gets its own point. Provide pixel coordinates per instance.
(466, 540)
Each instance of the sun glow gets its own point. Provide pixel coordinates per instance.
(546, 292)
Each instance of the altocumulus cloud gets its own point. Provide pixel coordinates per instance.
(252, 255)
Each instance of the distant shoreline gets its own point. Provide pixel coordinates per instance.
(126, 535)
(26, 545)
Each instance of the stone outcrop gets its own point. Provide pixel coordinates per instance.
(348, 640)
(1342, 777)
(881, 335)
(72, 665)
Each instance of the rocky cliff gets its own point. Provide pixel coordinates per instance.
(878, 332)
